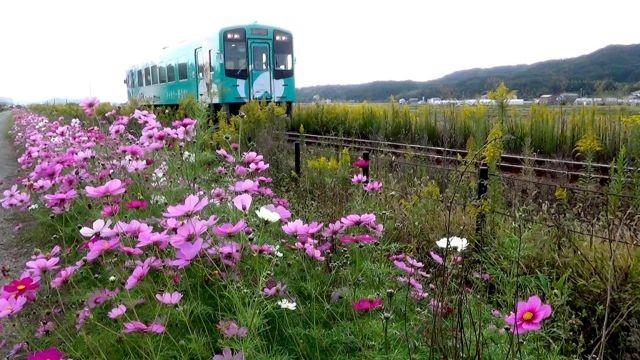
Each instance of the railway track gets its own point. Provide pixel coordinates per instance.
(509, 164)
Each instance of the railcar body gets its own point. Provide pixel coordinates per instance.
(236, 65)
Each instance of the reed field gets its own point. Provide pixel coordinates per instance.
(550, 131)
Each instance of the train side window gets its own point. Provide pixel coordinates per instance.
(139, 80)
(182, 71)
(147, 76)
(171, 73)
(154, 74)
(131, 79)
(162, 74)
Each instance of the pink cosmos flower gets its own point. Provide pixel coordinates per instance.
(227, 354)
(110, 210)
(242, 202)
(248, 186)
(168, 298)
(117, 311)
(356, 220)
(12, 305)
(63, 276)
(229, 253)
(226, 156)
(192, 204)
(373, 186)
(187, 252)
(138, 326)
(47, 354)
(138, 274)
(298, 228)
(437, 258)
(358, 239)
(359, 179)
(230, 329)
(26, 286)
(241, 170)
(191, 230)
(42, 265)
(60, 202)
(274, 289)
(99, 247)
(529, 315)
(111, 188)
(251, 157)
(258, 167)
(366, 304)
(89, 105)
(229, 229)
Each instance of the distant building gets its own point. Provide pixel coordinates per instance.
(567, 98)
(547, 100)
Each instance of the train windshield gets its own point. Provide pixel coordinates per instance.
(283, 51)
(235, 54)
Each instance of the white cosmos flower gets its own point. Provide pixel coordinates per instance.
(455, 242)
(268, 215)
(98, 227)
(286, 304)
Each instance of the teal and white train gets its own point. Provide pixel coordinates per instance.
(236, 65)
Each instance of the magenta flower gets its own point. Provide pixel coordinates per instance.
(366, 304)
(242, 202)
(229, 229)
(117, 311)
(11, 305)
(137, 204)
(111, 188)
(361, 163)
(192, 204)
(47, 354)
(168, 298)
(26, 286)
(529, 315)
(227, 354)
(230, 328)
(89, 105)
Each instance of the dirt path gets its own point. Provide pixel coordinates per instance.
(12, 254)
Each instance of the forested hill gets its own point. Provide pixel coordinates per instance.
(615, 68)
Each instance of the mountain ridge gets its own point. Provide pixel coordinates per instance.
(611, 69)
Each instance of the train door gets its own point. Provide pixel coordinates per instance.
(203, 77)
(260, 70)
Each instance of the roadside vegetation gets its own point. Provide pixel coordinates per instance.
(179, 234)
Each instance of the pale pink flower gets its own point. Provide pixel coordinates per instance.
(11, 305)
(117, 311)
(168, 298)
(242, 202)
(42, 265)
(89, 105)
(192, 204)
(111, 188)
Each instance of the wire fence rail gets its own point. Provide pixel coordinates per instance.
(442, 162)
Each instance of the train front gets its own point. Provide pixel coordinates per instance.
(258, 65)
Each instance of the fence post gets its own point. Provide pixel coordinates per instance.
(483, 187)
(297, 166)
(365, 170)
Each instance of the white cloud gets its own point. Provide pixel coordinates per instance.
(70, 48)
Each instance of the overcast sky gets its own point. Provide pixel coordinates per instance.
(70, 49)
